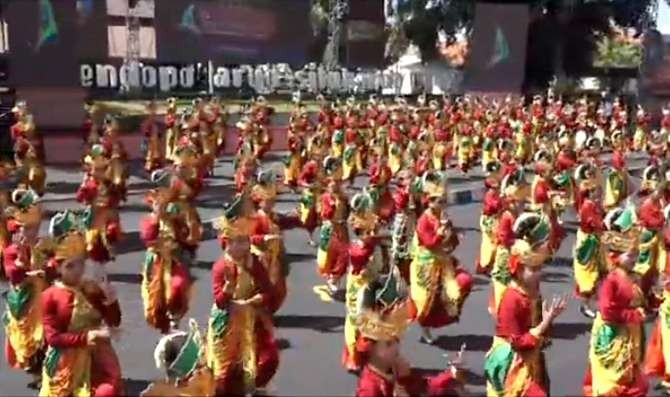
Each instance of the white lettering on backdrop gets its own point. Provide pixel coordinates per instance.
(264, 79)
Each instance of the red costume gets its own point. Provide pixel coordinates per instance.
(591, 217)
(58, 303)
(227, 363)
(271, 224)
(375, 383)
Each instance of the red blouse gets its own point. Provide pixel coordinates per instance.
(591, 217)
(651, 214)
(329, 203)
(615, 300)
(426, 231)
(374, 384)
(505, 233)
(493, 203)
(57, 306)
(360, 252)
(514, 320)
(14, 273)
(541, 192)
(225, 271)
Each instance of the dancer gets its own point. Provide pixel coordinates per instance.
(165, 277)
(332, 257)
(438, 285)
(79, 317)
(588, 256)
(241, 350)
(24, 263)
(102, 201)
(615, 353)
(267, 240)
(515, 364)
(386, 372)
(367, 263)
(182, 356)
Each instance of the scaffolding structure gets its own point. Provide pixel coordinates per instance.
(132, 59)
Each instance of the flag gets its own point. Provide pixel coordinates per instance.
(48, 29)
(501, 50)
(188, 20)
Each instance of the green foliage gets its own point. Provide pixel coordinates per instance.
(614, 53)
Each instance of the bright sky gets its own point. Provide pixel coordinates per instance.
(663, 21)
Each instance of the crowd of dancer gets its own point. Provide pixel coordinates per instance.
(386, 251)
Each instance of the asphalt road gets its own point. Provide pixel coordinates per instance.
(310, 331)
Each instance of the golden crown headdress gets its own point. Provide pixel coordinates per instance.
(622, 232)
(434, 184)
(234, 223)
(382, 327)
(363, 216)
(25, 209)
(67, 232)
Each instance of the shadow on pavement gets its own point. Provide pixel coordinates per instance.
(569, 330)
(561, 262)
(135, 387)
(125, 278)
(62, 187)
(460, 229)
(131, 242)
(555, 277)
(206, 265)
(283, 344)
(293, 258)
(478, 343)
(325, 324)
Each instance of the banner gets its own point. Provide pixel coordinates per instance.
(49, 38)
(233, 31)
(263, 79)
(498, 58)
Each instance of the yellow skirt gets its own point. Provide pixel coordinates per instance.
(588, 263)
(509, 373)
(23, 326)
(292, 170)
(487, 249)
(615, 357)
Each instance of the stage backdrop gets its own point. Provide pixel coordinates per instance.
(233, 32)
(498, 57)
(48, 39)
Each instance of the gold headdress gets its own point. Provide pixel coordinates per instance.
(622, 234)
(384, 327)
(172, 104)
(651, 179)
(585, 176)
(235, 223)
(530, 256)
(362, 216)
(621, 242)
(332, 167)
(65, 228)
(266, 185)
(25, 209)
(514, 186)
(97, 158)
(434, 184)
